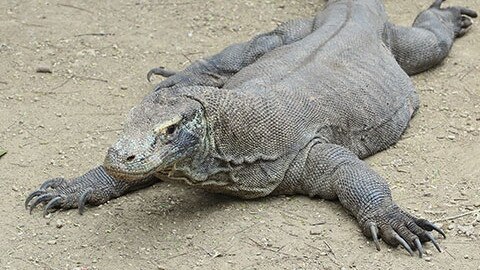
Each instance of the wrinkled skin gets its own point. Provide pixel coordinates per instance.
(273, 116)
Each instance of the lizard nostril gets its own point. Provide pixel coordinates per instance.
(130, 158)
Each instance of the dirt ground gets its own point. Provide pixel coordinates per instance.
(60, 124)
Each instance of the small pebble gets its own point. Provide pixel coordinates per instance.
(52, 242)
(43, 68)
(59, 224)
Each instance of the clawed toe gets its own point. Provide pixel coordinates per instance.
(466, 22)
(428, 226)
(464, 26)
(419, 247)
(83, 200)
(434, 242)
(468, 12)
(54, 203)
(40, 199)
(32, 195)
(403, 243)
(397, 227)
(160, 71)
(374, 232)
(437, 4)
(52, 183)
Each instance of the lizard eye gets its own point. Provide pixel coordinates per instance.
(167, 127)
(171, 129)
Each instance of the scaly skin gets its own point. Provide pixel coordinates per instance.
(291, 111)
(94, 188)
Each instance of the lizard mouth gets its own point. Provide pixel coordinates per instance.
(133, 169)
(128, 175)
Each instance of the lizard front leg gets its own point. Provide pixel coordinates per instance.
(217, 69)
(94, 187)
(331, 171)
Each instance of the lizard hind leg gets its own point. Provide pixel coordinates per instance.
(331, 171)
(429, 40)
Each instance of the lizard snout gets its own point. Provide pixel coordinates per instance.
(131, 158)
(117, 156)
(126, 165)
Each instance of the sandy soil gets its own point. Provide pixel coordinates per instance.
(99, 51)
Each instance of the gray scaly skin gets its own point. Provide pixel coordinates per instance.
(291, 111)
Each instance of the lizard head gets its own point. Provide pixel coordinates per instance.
(161, 131)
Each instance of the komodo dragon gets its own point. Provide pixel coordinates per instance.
(292, 111)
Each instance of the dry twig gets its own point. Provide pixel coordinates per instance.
(95, 34)
(458, 216)
(75, 7)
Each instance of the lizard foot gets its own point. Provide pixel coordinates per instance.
(56, 194)
(461, 17)
(93, 188)
(397, 227)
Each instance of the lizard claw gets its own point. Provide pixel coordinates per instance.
(397, 227)
(427, 225)
(434, 242)
(437, 4)
(83, 199)
(374, 232)
(468, 12)
(466, 22)
(418, 245)
(52, 183)
(33, 195)
(55, 202)
(40, 199)
(403, 243)
(160, 71)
